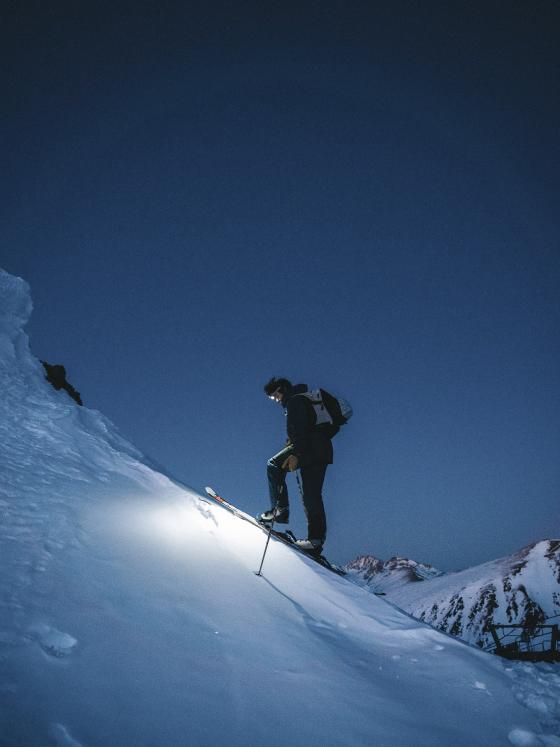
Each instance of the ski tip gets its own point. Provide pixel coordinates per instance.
(210, 491)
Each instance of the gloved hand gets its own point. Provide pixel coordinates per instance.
(291, 463)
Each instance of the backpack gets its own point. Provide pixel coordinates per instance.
(329, 410)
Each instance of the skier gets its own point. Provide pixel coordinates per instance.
(308, 449)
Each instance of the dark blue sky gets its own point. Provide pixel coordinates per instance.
(360, 196)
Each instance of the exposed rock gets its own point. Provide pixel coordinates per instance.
(56, 375)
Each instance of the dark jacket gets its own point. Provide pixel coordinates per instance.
(312, 445)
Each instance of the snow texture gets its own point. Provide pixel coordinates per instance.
(130, 613)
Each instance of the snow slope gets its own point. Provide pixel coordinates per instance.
(130, 613)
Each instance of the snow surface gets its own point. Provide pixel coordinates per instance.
(130, 613)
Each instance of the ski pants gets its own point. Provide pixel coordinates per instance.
(312, 479)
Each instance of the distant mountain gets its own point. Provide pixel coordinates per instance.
(523, 588)
(388, 575)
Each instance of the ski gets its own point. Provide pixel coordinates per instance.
(287, 537)
(230, 507)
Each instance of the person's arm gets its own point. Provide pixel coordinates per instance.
(299, 421)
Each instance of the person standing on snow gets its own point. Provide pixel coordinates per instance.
(308, 449)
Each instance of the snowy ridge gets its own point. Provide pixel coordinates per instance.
(523, 588)
(388, 575)
(130, 613)
(15, 307)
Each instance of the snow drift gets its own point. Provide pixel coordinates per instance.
(130, 613)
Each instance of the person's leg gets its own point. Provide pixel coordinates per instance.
(277, 479)
(312, 478)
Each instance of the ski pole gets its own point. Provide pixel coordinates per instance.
(299, 484)
(267, 541)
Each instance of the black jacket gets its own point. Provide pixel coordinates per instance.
(312, 444)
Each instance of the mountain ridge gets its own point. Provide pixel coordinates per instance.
(522, 588)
